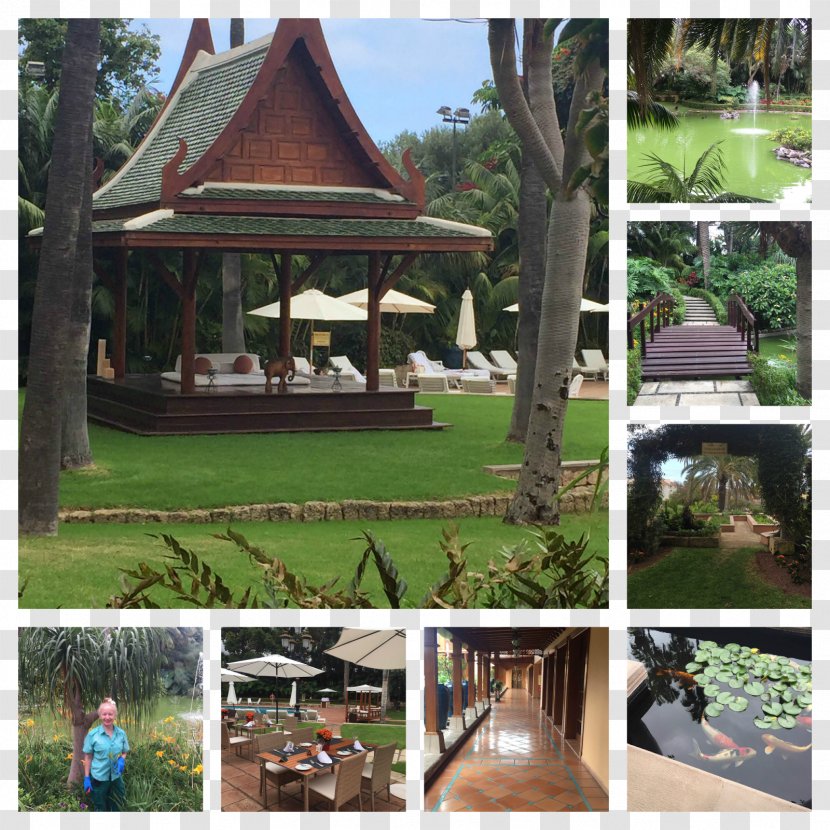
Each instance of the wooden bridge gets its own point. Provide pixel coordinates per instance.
(700, 347)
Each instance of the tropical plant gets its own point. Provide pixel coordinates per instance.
(795, 138)
(668, 243)
(73, 669)
(731, 477)
(703, 183)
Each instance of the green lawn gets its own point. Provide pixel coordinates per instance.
(204, 471)
(706, 578)
(79, 567)
(379, 734)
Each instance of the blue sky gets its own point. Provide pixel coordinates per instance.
(395, 72)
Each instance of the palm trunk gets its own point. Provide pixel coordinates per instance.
(804, 324)
(81, 723)
(40, 435)
(538, 484)
(721, 493)
(705, 252)
(75, 449)
(384, 695)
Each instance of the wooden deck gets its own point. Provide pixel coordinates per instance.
(146, 405)
(689, 351)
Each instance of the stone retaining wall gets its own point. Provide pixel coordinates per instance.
(576, 501)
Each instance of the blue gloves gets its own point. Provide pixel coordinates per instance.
(119, 765)
(87, 784)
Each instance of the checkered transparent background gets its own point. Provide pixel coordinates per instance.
(618, 618)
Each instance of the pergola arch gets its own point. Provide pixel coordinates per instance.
(782, 452)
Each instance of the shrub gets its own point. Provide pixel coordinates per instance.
(647, 278)
(775, 384)
(795, 138)
(395, 345)
(767, 287)
(693, 79)
(635, 373)
(714, 301)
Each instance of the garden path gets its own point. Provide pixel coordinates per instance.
(743, 537)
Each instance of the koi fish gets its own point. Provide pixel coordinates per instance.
(726, 756)
(805, 720)
(683, 676)
(716, 737)
(773, 743)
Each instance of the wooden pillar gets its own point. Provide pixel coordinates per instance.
(434, 737)
(119, 323)
(471, 713)
(285, 303)
(543, 704)
(457, 719)
(190, 268)
(482, 687)
(373, 325)
(549, 684)
(559, 686)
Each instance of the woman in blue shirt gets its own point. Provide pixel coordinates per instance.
(105, 753)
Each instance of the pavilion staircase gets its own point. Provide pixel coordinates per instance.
(700, 347)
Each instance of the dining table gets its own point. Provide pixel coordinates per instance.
(306, 756)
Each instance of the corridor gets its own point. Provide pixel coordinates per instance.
(515, 762)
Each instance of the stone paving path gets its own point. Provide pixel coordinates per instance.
(743, 537)
(697, 393)
(515, 762)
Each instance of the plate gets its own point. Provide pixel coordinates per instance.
(303, 767)
(305, 744)
(343, 752)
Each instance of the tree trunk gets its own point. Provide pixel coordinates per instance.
(705, 252)
(538, 484)
(721, 493)
(233, 329)
(804, 324)
(384, 695)
(346, 691)
(40, 435)
(81, 723)
(75, 449)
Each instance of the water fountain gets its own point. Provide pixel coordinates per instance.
(752, 92)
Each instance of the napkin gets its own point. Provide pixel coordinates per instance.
(323, 757)
(289, 747)
(358, 746)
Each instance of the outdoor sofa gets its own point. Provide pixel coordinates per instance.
(226, 375)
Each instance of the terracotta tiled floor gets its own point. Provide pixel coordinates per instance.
(514, 762)
(240, 791)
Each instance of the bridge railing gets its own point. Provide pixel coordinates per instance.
(743, 321)
(658, 312)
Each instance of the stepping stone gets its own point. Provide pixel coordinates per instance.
(750, 399)
(649, 388)
(711, 399)
(655, 400)
(669, 387)
(733, 386)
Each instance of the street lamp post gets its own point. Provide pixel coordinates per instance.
(460, 116)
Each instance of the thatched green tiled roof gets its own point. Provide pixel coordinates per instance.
(202, 109)
(306, 194)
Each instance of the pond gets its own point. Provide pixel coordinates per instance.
(749, 157)
(759, 734)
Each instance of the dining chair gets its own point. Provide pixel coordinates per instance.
(237, 742)
(275, 773)
(344, 785)
(377, 775)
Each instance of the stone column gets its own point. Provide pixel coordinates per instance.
(433, 737)
(472, 711)
(457, 719)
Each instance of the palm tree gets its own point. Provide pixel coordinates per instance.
(704, 183)
(650, 43)
(72, 669)
(731, 477)
(668, 243)
(704, 248)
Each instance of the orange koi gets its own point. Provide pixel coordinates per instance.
(773, 743)
(677, 675)
(716, 737)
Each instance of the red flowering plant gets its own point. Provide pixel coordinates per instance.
(249, 716)
(324, 735)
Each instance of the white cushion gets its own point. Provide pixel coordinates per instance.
(367, 770)
(274, 769)
(241, 739)
(324, 785)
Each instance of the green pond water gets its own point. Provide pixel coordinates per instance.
(749, 158)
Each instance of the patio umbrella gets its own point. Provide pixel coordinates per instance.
(374, 648)
(465, 337)
(393, 301)
(232, 677)
(584, 305)
(276, 666)
(314, 305)
(325, 691)
(292, 701)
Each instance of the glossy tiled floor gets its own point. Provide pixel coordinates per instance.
(513, 763)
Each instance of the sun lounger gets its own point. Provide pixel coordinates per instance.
(478, 386)
(511, 384)
(583, 370)
(386, 377)
(576, 385)
(347, 371)
(478, 361)
(504, 360)
(595, 362)
(420, 365)
(433, 383)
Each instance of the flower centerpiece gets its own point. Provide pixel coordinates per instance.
(249, 720)
(324, 738)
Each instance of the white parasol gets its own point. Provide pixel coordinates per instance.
(393, 301)
(465, 337)
(374, 648)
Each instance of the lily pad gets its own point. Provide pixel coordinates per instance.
(711, 690)
(724, 676)
(713, 710)
(774, 709)
(702, 656)
(738, 704)
(710, 671)
(736, 683)
(786, 721)
(725, 698)
(787, 696)
(784, 661)
(762, 723)
(706, 644)
(693, 667)
(754, 689)
(702, 678)
(732, 647)
(805, 700)
(792, 709)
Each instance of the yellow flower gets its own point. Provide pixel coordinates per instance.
(29, 759)
(69, 757)
(172, 762)
(160, 753)
(183, 769)
(197, 770)
(30, 723)
(54, 739)
(169, 719)
(186, 755)
(169, 739)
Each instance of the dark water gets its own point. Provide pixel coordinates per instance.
(673, 721)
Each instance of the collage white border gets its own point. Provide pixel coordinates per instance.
(617, 617)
